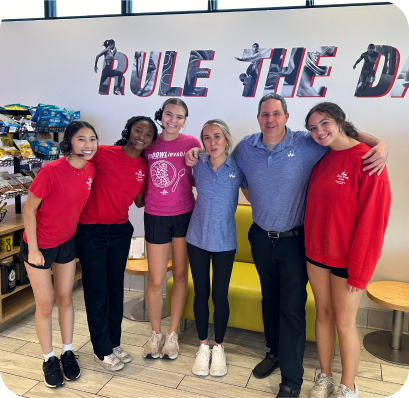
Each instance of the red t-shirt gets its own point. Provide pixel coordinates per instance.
(64, 191)
(170, 180)
(347, 213)
(118, 180)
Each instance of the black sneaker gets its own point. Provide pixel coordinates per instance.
(52, 373)
(71, 370)
(288, 392)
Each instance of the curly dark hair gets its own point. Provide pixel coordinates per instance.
(70, 131)
(126, 132)
(333, 111)
(170, 101)
(108, 42)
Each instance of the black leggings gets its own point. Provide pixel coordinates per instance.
(108, 72)
(222, 264)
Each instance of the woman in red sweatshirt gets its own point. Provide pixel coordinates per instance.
(345, 220)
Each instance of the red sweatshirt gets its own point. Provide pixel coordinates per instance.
(347, 213)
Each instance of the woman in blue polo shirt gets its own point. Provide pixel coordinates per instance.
(212, 235)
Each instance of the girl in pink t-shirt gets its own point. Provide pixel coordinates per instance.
(169, 204)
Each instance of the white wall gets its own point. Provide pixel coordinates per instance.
(52, 62)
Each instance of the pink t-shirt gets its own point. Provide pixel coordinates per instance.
(170, 180)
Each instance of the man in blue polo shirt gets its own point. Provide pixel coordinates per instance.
(277, 164)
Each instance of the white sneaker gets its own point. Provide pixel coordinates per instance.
(170, 349)
(121, 354)
(218, 366)
(201, 365)
(110, 362)
(345, 392)
(323, 386)
(152, 347)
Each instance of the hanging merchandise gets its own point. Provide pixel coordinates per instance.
(8, 275)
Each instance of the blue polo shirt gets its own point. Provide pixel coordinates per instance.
(212, 226)
(278, 181)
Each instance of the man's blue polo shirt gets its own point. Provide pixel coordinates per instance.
(212, 226)
(278, 181)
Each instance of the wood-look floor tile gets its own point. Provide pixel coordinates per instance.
(372, 386)
(371, 370)
(215, 389)
(394, 374)
(21, 365)
(27, 332)
(134, 339)
(119, 387)
(137, 372)
(16, 384)
(243, 346)
(41, 391)
(10, 344)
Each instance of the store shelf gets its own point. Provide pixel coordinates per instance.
(12, 222)
(10, 253)
(14, 304)
(17, 289)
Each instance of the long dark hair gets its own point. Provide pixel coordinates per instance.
(170, 101)
(70, 131)
(126, 132)
(333, 111)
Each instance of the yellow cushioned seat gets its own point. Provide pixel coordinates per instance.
(244, 289)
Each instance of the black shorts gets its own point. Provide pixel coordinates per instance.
(367, 75)
(340, 272)
(161, 229)
(62, 254)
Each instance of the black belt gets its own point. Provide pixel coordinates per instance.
(276, 235)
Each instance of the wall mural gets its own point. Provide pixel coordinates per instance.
(304, 66)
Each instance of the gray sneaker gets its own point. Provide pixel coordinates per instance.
(153, 346)
(110, 362)
(170, 349)
(345, 392)
(323, 386)
(121, 354)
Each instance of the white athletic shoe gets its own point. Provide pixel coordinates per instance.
(218, 366)
(345, 392)
(153, 346)
(170, 349)
(110, 362)
(201, 365)
(323, 386)
(121, 354)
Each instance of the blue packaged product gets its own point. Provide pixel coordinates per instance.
(77, 115)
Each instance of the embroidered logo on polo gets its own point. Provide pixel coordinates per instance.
(164, 192)
(139, 176)
(342, 177)
(232, 175)
(89, 183)
(290, 154)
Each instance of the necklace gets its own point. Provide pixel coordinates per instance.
(75, 170)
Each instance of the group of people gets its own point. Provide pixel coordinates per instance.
(336, 248)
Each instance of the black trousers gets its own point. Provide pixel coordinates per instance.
(103, 252)
(222, 265)
(283, 276)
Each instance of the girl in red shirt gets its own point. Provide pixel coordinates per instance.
(104, 234)
(345, 220)
(169, 205)
(49, 241)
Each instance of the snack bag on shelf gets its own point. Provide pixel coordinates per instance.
(4, 155)
(28, 173)
(54, 148)
(25, 181)
(31, 137)
(44, 147)
(10, 150)
(6, 140)
(25, 149)
(5, 187)
(16, 184)
(4, 175)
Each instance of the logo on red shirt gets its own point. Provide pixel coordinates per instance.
(139, 175)
(89, 183)
(342, 177)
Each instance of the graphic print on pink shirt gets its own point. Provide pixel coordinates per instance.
(170, 180)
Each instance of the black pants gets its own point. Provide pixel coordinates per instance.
(283, 276)
(103, 252)
(222, 265)
(108, 72)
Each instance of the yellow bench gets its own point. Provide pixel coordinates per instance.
(244, 290)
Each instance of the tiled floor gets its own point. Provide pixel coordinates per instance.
(21, 356)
